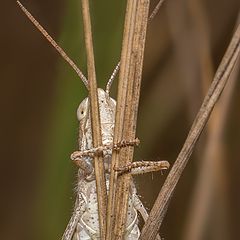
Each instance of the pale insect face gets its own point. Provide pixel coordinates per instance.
(85, 133)
(107, 107)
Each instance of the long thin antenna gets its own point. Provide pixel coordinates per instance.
(156, 9)
(110, 81)
(116, 69)
(54, 44)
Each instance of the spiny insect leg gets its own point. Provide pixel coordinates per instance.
(98, 150)
(126, 143)
(142, 167)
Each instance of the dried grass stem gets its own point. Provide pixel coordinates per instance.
(159, 209)
(95, 120)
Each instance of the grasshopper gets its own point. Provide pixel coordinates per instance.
(87, 211)
(84, 222)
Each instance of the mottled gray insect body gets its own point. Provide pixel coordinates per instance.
(107, 108)
(88, 224)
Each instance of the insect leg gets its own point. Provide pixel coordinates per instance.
(78, 211)
(142, 210)
(97, 150)
(141, 167)
(81, 162)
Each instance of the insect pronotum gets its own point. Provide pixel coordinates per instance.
(84, 222)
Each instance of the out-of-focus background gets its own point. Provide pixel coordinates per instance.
(40, 94)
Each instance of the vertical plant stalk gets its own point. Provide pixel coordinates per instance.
(126, 114)
(95, 120)
(131, 110)
(120, 111)
(159, 209)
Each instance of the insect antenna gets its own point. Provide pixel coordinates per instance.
(110, 81)
(155, 10)
(116, 69)
(54, 44)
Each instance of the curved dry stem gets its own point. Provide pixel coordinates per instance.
(159, 209)
(212, 170)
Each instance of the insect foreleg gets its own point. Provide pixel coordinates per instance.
(98, 150)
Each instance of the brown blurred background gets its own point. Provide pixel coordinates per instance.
(40, 94)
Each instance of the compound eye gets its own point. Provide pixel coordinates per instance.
(82, 110)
